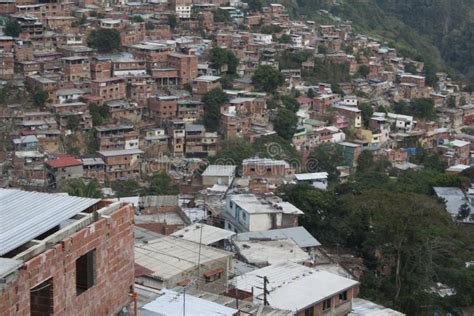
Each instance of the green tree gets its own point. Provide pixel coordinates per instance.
(233, 151)
(162, 184)
(410, 236)
(39, 98)
(212, 108)
(310, 94)
(290, 103)
(366, 112)
(137, 19)
(363, 71)
(451, 102)
(172, 21)
(410, 68)
(424, 108)
(12, 28)
(73, 122)
(149, 25)
(323, 50)
(267, 78)
(284, 123)
(275, 147)
(220, 57)
(221, 16)
(326, 158)
(323, 212)
(126, 188)
(104, 40)
(271, 29)
(226, 81)
(99, 114)
(285, 39)
(468, 173)
(255, 5)
(92, 144)
(464, 212)
(81, 188)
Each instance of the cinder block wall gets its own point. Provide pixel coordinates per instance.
(113, 240)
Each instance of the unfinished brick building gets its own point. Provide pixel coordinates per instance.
(63, 255)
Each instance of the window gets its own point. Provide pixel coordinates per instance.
(41, 298)
(244, 216)
(327, 304)
(85, 272)
(343, 296)
(309, 311)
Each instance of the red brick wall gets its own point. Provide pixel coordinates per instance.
(113, 241)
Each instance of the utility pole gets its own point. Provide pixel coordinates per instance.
(184, 301)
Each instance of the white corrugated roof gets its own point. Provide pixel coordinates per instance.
(207, 235)
(293, 286)
(25, 215)
(311, 176)
(219, 171)
(171, 303)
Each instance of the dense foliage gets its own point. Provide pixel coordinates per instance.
(104, 40)
(12, 28)
(401, 230)
(82, 188)
(219, 57)
(267, 78)
(212, 108)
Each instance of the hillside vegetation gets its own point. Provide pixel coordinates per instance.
(435, 31)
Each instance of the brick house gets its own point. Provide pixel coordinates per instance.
(82, 264)
(62, 169)
(204, 84)
(109, 89)
(125, 163)
(76, 68)
(264, 167)
(163, 107)
(186, 66)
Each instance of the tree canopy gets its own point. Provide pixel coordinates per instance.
(40, 97)
(326, 158)
(99, 114)
(267, 78)
(162, 184)
(104, 40)
(81, 188)
(12, 28)
(212, 108)
(220, 57)
(284, 123)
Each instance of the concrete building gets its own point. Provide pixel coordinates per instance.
(62, 169)
(250, 212)
(218, 174)
(172, 262)
(262, 253)
(205, 234)
(303, 290)
(58, 255)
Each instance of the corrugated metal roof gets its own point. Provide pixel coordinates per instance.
(298, 234)
(25, 215)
